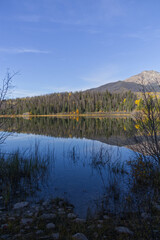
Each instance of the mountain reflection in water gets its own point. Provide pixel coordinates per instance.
(82, 171)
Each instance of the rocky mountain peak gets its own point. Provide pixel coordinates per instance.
(145, 77)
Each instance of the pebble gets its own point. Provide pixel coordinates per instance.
(79, 220)
(106, 217)
(123, 230)
(99, 225)
(20, 205)
(50, 226)
(55, 236)
(71, 215)
(39, 232)
(79, 236)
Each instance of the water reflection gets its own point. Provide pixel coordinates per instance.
(85, 172)
(114, 131)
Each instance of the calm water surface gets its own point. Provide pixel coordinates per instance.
(83, 166)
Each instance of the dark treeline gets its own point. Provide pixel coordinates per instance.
(91, 128)
(78, 102)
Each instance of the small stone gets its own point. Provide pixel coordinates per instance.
(29, 214)
(123, 230)
(20, 205)
(106, 217)
(99, 225)
(39, 232)
(25, 221)
(79, 236)
(46, 203)
(91, 226)
(79, 220)
(55, 236)
(100, 221)
(71, 215)
(50, 226)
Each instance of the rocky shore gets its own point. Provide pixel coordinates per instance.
(55, 219)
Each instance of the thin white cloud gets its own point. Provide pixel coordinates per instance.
(103, 75)
(23, 50)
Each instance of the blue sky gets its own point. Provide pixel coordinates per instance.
(69, 45)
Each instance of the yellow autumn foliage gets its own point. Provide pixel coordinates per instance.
(137, 126)
(137, 102)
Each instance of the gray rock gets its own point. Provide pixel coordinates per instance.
(61, 211)
(47, 216)
(99, 225)
(92, 226)
(25, 221)
(123, 230)
(79, 220)
(50, 226)
(46, 203)
(55, 236)
(106, 217)
(71, 215)
(20, 205)
(100, 221)
(79, 236)
(39, 232)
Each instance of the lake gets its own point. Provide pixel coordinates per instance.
(86, 159)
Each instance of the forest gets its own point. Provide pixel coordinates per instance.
(72, 103)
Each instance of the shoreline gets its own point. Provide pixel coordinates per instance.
(98, 115)
(55, 219)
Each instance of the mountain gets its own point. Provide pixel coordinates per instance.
(150, 79)
(145, 77)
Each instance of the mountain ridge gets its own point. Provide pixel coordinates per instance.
(149, 78)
